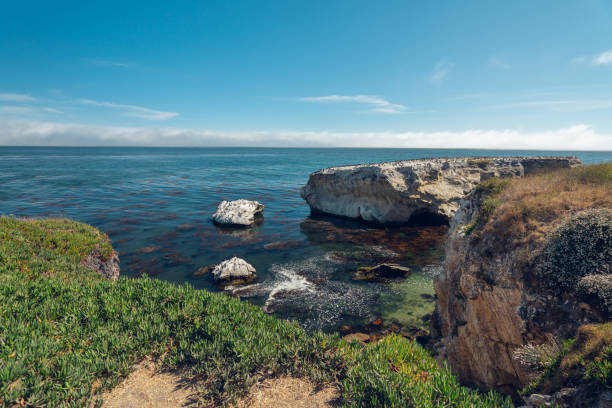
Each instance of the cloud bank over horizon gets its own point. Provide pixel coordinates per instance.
(16, 132)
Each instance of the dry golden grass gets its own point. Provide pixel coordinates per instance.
(532, 206)
(289, 392)
(588, 355)
(590, 341)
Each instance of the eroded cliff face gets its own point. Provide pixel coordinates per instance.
(489, 304)
(402, 192)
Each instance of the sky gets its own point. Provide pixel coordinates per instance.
(474, 74)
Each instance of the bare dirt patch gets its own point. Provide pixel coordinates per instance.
(287, 392)
(147, 387)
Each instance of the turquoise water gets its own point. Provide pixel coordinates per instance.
(156, 203)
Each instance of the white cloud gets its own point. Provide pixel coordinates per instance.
(557, 105)
(11, 97)
(377, 104)
(16, 110)
(579, 60)
(605, 58)
(23, 132)
(52, 110)
(133, 110)
(441, 71)
(497, 62)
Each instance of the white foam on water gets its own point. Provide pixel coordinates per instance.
(304, 290)
(284, 279)
(289, 281)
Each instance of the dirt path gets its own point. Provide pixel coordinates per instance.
(147, 387)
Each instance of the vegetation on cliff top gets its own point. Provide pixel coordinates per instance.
(560, 223)
(66, 334)
(530, 208)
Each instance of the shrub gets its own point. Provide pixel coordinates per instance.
(598, 286)
(493, 185)
(586, 359)
(536, 358)
(491, 188)
(580, 246)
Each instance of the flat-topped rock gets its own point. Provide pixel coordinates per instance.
(239, 213)
(233, 271)
(413, 191)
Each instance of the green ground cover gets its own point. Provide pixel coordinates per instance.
(66, 334)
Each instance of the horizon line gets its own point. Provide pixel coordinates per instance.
(299, 147)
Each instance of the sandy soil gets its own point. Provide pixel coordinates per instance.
(147, 387)
(287, 392)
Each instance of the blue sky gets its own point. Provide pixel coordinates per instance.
(519, 74)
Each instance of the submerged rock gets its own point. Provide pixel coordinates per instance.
(360, 337)
(233, 271)
(203, 271)
(382, 272)
(239, 213)
(425, 191)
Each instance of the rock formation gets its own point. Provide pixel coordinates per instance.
(489, 305)
(233, 271)
(239, 213)
(109, 268)
(381, 272)
(415, 191)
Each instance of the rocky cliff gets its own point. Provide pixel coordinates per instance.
(414, 191)
(517, 255)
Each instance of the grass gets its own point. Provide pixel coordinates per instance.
(584, 359)
(66, 334)
(521, 212)
(52, 247)
(398, 373)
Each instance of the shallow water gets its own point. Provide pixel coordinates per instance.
(156, 203)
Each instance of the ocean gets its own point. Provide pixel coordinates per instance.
(155, 204)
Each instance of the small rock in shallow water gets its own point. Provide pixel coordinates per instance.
(239, 213)
(234, 271)
(283, 245)
(382, 272)
(203, 271)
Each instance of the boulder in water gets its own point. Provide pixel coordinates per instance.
(381, 272)
(238, 213)
(233, 271)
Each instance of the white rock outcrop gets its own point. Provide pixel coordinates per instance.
(239, 213)
(233, 270)
(401, 192)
